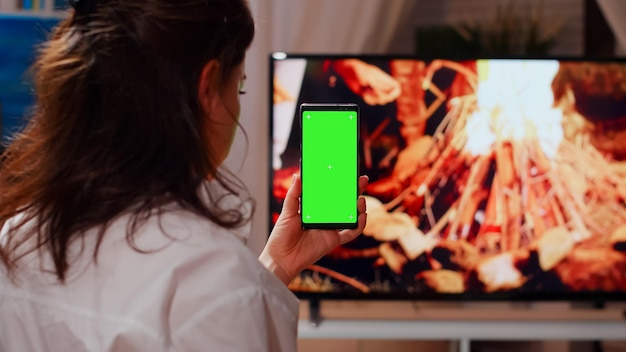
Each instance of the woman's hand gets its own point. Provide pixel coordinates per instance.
(290, 249)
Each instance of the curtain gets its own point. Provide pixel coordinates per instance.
(331, 26)
(614, 11)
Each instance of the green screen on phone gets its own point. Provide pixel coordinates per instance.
(329, 168)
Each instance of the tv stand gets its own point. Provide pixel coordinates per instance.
(315, 318)
(463, 326)
(599, 305)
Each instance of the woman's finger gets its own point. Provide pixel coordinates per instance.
(361, 205)
(292, 199)
(363, 181)
(348, 235)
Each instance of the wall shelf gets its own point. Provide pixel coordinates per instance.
(32, 14)
(45, 9)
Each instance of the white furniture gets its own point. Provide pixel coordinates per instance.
(462, 325)
(464, 331)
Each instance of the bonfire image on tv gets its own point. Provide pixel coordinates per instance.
(487, 177)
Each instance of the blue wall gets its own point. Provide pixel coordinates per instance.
(19, 36)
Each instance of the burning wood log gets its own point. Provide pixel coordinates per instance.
(455, 167)
(576, 181)
(573, 209)
(498, 273)
(619, 169)
(504, 162)
(440, 99)
(448, 153)
(369, 138)
(395, 225)
(556, 210)
(553, 247)
(386, 161)
(394, 260)
(473, 194)
(524, 179)
(501, 213)
(597, 269)
(415, 243)
(538, 157)
(442, 281)
(437, 228)
(410, 158)
(514, 218)
(588, 161)
(408, 164)
(535, 212)
(468, 212)
(456, 255)
(436, 65)
(490, 222)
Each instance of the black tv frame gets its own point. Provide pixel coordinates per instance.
(595, 299)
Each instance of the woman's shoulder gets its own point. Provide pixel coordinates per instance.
(172, 226)
(203, 262)
(180, 261)
(181, 238)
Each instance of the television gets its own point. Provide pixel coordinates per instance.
(490, 178)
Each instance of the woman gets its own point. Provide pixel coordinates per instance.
(120, 232)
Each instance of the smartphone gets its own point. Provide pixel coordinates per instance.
(329, 165)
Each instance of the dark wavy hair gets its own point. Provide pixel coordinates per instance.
(117, 126)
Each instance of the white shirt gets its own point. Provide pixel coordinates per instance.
(199, 289)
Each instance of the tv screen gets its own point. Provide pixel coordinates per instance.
(489, 178)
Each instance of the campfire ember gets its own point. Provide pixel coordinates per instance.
(553, 247)
(498, 273)
(446, 281)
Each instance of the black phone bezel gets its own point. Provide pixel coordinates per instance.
(331, 107)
